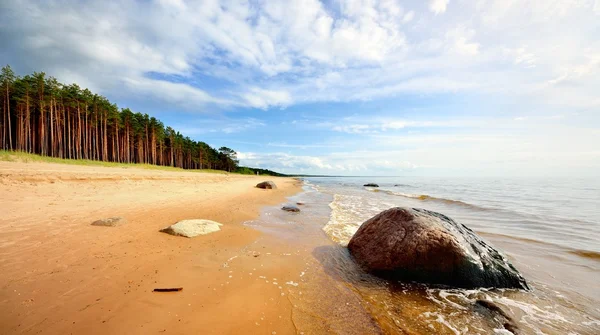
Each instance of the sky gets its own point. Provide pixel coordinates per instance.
(358, 87)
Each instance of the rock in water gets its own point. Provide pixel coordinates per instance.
(420, 245)
(496, 316)
(290, 208)
(269, 185)
(192, 228)
(370, 185)
(110, 222)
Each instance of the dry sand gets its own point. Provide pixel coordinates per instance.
(60, 275)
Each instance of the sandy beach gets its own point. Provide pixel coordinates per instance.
(61, 275)
(267, 271)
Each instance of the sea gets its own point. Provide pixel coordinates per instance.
(548, 228)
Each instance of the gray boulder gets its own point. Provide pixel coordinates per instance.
(290, 208)
(424, 246)
(268, 185)
(110, 222)
(192, 228)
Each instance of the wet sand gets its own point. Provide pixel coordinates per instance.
(61, 275)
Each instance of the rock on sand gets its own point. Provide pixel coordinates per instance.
(419, 245)
(290, 208)
(192, 228)
(110, 222)
(269, 185)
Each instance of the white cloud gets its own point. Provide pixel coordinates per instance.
(438, 6)
(354, 129)
(223, 125)
(522, 56)
(284, 162)
(503, 146)
(179, 93)
(263, 98)
(303, 146)
(278, 53)
(378, 126)
(460, 38)
(338, 162)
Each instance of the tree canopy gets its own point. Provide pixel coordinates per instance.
(42, 116)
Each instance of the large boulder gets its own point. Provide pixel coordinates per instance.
(371, 185)
(269, 185)
(110, 222)
(424, 246)
(192, 228)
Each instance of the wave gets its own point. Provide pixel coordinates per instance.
(518, 238)
(348, 212)
(586, 254)
(426, 197)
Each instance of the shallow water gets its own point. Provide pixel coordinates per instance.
(550, 230)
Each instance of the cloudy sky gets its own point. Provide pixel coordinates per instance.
(357, 87)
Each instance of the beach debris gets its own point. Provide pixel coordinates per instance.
(110, 222)
(371, 185)
(168, 289)
(290, 208)
(415, 244)
(192, 228)
(268, 185)
(300, 203)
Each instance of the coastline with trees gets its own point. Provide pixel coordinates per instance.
(43, 116)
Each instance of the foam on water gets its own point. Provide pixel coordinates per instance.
(348, 212)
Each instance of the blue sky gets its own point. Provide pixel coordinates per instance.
(439, 87)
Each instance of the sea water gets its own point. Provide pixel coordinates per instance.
(549, 229)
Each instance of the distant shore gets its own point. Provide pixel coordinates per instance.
(61, 275)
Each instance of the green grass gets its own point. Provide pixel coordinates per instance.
(19, 156)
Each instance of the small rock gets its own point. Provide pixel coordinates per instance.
(192, 228)
(300, 203)
(370, 185)
(267, 185)
(290, 208)
(110, 222)
(495, 314)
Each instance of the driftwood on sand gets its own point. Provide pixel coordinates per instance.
(168, 289)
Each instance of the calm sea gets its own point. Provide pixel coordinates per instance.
(548, 228)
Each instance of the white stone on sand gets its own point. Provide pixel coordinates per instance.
(192, 228)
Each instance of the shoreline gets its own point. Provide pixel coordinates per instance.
(267, 272)
(61, 275)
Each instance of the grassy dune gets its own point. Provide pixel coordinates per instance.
(25, 157)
